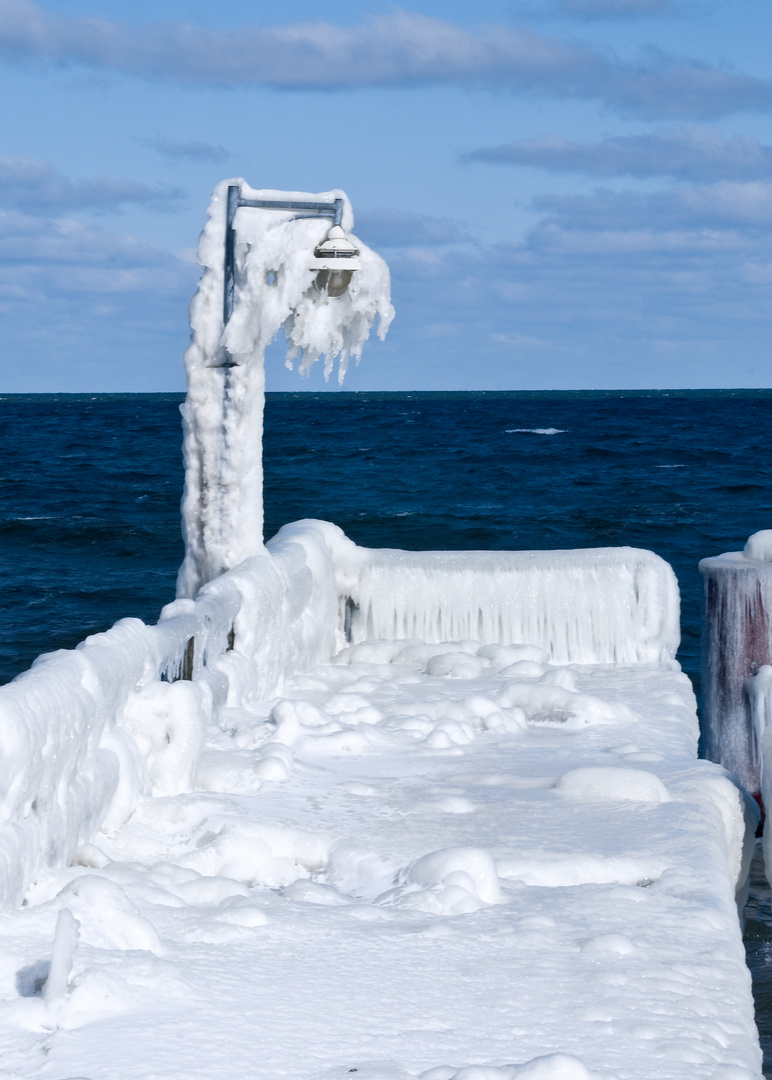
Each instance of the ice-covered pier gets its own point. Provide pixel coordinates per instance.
(353, 812)
(395, 856)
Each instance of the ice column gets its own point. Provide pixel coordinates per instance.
(222, 506)
(737, 643)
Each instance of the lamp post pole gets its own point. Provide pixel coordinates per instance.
(223, 501)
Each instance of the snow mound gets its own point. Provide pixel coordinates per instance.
(108, 919)
(549, 1067)
(759, 546)
(614, 784)
(253, 853)
(581, 869)
(608, 944)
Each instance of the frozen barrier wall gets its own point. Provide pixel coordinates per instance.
(737, 644)
(593, 606)
(85, 732)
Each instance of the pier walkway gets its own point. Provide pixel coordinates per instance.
(418, 859)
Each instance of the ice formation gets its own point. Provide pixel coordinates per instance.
(737, 645)
(222, 506)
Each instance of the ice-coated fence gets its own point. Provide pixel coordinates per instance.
(86, 732)
(594, 606)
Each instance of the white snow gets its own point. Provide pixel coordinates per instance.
(759, 546)
(457, 857)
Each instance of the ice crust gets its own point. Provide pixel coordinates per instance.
(443, 857)
(222, 507)
(737, 647)
(86, 732)
(737, 678)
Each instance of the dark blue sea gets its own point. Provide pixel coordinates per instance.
(90, 488)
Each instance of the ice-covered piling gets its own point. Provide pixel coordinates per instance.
(737, 644)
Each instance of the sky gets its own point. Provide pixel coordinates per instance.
(571, 194)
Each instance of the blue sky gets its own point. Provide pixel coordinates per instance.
(570, 193)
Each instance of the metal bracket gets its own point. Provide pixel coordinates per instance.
(333, 210)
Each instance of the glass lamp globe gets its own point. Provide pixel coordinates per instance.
(335, 261)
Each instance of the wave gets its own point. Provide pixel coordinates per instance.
(536, 431)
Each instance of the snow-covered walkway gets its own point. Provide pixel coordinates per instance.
(429, 858)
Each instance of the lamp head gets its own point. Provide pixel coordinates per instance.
(335, 261)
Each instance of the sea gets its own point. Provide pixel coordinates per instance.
(90, 488)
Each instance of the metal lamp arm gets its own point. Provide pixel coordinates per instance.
(333, 210)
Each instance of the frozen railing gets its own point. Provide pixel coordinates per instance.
(86, 732)
(594, 606)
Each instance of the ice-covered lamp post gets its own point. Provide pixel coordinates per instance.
(291, 265)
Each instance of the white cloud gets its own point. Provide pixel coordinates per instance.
(85, 308)
(684, 153)
(388, 228)
(615, 289)
(612, 278)
(38, 188)
(192, 150)
(401, 49)
(726, 204)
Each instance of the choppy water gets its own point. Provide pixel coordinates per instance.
(90, 488)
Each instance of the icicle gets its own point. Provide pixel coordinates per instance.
(603, 605)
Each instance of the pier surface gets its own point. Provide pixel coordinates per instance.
(418, 860)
